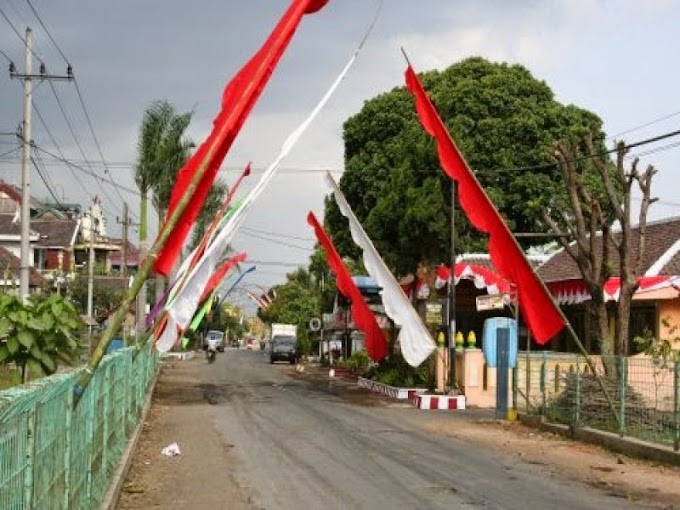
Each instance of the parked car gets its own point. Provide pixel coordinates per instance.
(217, 337)
(283, 348)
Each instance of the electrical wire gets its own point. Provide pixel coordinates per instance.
(89, 172)
(56, 145)
(9, 151)
(6, 56)
(75, 139)
(276, 234)
(44, 180)
(646, 124)
(275, 241)
(21, 38)
(47, 31)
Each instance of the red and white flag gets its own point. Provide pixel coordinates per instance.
(238, 100)
(376, 345)
(541, 314)
(414, 339)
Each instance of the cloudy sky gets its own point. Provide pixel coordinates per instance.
(615, 57)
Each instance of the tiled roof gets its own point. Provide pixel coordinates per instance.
(55, 233)
(484, 260)
(660, 236)
(131, 254)
(10, 261)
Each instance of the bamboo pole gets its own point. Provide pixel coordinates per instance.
(256, 77)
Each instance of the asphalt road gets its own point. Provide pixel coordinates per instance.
(315, 444)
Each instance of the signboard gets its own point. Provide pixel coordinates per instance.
(433, 313)
(490, 302)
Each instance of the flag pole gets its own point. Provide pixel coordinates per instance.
(568, 326)
(139, 280)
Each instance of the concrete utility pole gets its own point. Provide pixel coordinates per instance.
(90, 268)
(27, 77)
(126, 224)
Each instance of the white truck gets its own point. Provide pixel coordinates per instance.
(283, 343)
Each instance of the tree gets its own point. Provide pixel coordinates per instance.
(162, 149)
(38, 335)
(296, 302)
(587, 212)
(211, 206)
(503, 120)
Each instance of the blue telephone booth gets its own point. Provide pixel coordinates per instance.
(499, 344)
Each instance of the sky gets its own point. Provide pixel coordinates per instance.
(613, 57)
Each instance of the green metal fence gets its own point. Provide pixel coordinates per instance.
(645, 394)
(53, 455)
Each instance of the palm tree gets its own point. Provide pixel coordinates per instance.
(162, 150)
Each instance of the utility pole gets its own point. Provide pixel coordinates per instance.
(27, 77)
(451, 308)
(125, 223)
(90, 268)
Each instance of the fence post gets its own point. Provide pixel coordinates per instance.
(577, 410)
(676, 406)
(105, 425)
(623, 379)
(527, 382)
(543, 381)
(67, 451)
(30, 453)
(514, 389)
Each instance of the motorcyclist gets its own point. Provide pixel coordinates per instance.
(211, 351)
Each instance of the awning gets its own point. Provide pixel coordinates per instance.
(571, 292)
(482, 277)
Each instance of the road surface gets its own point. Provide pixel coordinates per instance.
(309, 443)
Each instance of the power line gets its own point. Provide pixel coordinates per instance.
(646, 124)
(9, 151)
(75, 138)
(47, 31)
(56, 145)
(6, 56)
(44, 180)
(89, 172)
(275, 241)
(276, 234)
(21, 38)
(546, 166)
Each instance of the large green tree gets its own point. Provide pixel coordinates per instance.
(505, 122)
(162, 149)
(296, 302)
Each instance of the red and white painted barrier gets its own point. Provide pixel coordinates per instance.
(439, 402)
(390, 391)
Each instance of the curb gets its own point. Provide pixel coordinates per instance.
(626, 445)
(390, 391)
(439, 402)
(120, 474)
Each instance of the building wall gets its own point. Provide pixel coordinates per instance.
(669, 309)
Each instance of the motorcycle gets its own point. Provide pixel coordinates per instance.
(211, 352)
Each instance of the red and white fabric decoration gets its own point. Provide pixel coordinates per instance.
(572, 292)
(482, 277)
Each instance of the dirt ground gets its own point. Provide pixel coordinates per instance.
(203, 475)
(156, 481)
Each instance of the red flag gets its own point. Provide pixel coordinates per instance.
(543, 318)
(238, 100)
(219, 274)
(376, 345)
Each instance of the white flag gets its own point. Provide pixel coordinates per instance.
(183, 307)
(414, 338)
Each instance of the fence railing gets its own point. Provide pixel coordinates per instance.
(53, 455)
(645, 394)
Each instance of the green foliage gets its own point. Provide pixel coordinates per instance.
(210, 208)
(296, 302)
(661, 349)
(501, 117)
(40, 334)
(104, 299)
(358, 363)
(396, 372)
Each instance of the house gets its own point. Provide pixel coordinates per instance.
(60, 239)
(657, 297)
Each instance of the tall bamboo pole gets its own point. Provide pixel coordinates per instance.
(255, 78)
